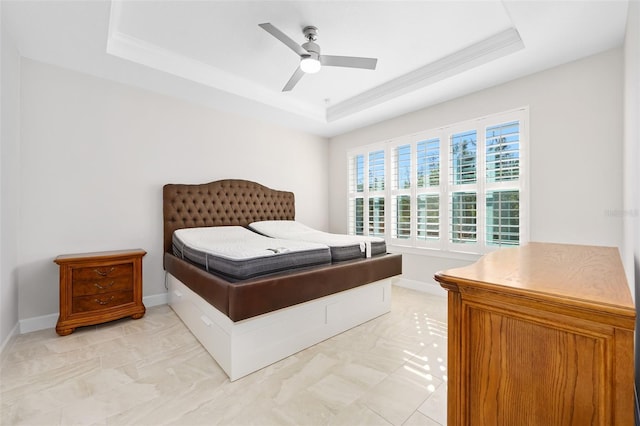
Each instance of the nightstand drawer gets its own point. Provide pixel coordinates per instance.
(86, 281)
(109, 272)
(100, 301)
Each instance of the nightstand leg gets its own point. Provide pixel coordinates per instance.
(139, 314)
(64, 331)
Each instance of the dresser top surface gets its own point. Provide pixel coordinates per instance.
(585, 274)
(99, 256)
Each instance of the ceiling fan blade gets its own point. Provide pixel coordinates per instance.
(295, 78)
(348, 61)
(283, 38)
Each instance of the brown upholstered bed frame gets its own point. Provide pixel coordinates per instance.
(247, 325)
(240, 202)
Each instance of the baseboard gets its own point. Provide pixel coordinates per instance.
(8, 340)
(422, 286)
(43, 322)
(155, 300)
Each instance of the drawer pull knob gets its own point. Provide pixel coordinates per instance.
(104, 287)
(104, 302)
(104, 273)
(206, 320)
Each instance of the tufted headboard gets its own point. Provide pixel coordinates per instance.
(222, 203)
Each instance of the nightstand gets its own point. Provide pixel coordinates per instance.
(99, 287)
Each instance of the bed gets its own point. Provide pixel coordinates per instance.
(251, 323)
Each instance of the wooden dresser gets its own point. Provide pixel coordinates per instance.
(541, 335)
(99, 287)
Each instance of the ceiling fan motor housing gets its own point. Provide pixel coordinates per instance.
(310, 33)
(312, 48)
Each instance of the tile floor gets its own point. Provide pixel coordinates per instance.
(388, 371)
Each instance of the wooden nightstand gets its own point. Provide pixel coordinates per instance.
(99, 287)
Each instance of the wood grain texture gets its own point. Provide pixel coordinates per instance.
(560, 372)
(585, 276)
(91, 280)
(524, 350)
(99, 287)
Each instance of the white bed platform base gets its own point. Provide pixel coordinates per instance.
(242, 347)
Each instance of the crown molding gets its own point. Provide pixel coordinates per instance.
(142, 52)
(496, 46)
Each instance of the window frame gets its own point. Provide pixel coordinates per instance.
(482, 187)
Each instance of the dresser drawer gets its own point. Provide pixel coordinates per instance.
(100, 301)
(104, 279)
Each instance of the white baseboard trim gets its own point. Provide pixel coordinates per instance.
(425, 287)
(43, 322)
(155, 300)
(9, 339)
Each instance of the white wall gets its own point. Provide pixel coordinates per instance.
(95, 155)
(632, 162)
(9, 188)
(575, 152)
(631, 211)
(632, 143)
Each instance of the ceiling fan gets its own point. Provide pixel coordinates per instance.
(310, 58)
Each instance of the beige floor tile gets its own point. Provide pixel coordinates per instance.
(435, 407)
(418, 419)
(358, 414)
(391, 370)
(399, 395)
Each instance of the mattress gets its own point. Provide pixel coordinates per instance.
(342, 246)
(237, 253)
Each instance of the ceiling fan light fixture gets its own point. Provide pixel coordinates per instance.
(309, 53)
(310, 64)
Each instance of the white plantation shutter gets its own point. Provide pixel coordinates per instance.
(428, 217)
(463, 156)
(457, 188)
(428, 163)
(356, 195)
(376, 216)
(377, 177)
(366, 195)
(463, 215)
(401, 191)
(502, 148)
(376, 171)
(503, 218)
(463, 179)
(428, 192)
(503, 152)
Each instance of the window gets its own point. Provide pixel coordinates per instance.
(459, 188)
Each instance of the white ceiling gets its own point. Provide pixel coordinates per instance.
(213, 52)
